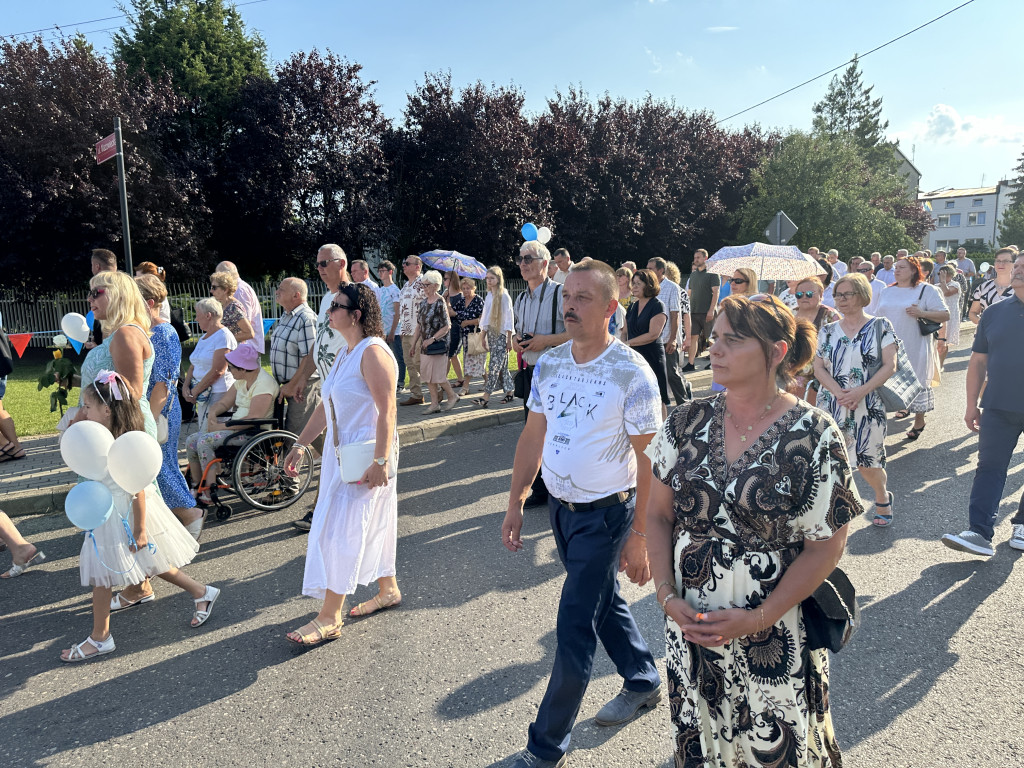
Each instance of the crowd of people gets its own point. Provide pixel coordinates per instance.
(736, 505)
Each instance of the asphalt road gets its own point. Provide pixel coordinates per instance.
(454, 676)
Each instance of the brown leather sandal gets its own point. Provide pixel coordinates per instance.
(377, 604)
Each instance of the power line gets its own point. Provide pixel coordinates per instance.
(95, 21)
(845, 63)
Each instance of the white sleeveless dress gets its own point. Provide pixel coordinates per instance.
(109, 563)
(355, 528)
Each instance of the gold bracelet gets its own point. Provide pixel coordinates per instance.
(664, 602)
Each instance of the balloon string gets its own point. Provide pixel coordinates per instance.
(131, 539)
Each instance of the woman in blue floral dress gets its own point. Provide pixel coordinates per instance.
(163, 381)
(857, 355)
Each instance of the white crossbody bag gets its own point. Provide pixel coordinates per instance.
(355, 458)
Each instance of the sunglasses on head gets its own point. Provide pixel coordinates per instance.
(764, 298)
(95, 293)
(802, 294)
(325, 262)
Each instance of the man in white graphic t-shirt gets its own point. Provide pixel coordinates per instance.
(594, 406)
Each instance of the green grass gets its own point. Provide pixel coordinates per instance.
(31, 407)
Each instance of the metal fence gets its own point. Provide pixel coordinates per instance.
(41, 314)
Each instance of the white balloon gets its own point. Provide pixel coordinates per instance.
(543, 235)
(84, 447)
(60, 341)
(134, 461)
(75, 327)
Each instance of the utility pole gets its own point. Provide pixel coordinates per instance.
(126, 233)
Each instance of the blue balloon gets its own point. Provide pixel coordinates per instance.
(89, 504)
(529, 231)
(90, 319)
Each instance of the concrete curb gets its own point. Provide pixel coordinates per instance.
(41, 501)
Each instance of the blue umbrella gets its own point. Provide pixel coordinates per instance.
(446, 261)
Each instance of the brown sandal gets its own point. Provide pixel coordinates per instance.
(322, 634)
(377, 604)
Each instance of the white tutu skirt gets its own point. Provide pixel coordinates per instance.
(107, 561)
(353, 537)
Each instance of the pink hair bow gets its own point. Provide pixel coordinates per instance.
(111, 379)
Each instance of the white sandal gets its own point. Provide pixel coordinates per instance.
(119, 602)
(19, 568)
(210, 596)
(102, 647)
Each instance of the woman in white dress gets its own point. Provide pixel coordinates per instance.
(949, 334)
(355, 525)
(904, 302)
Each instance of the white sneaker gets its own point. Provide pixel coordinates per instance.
(971, 542)
(1017, 539)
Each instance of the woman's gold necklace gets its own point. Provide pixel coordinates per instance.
(767, 410)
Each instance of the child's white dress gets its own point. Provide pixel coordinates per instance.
(109, 562)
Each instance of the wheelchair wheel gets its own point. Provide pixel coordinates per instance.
(223, 512)
(258, 471)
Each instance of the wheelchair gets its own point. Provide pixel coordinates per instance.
(251, 466)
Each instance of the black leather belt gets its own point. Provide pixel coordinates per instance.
(608, 501)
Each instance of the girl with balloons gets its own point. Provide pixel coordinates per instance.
(131, 534)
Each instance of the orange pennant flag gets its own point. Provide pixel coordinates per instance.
(20, 341)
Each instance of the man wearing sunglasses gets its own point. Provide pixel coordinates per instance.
(332, 265)
(877, 286)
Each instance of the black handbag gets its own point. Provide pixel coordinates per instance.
(927, 327)
(179, 325)
(436, 348)
(519, 384)
(831, 615)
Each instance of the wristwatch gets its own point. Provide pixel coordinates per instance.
(381, 461)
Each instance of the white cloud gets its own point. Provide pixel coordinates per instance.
(718, 30)
(945, 126)
(655, 61)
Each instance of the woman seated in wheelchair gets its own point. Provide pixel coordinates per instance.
(252, 397)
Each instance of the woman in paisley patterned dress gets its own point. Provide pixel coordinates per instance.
(848, 351)
(749, 517)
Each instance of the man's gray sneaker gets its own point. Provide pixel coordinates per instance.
(529, 760)
(971, 542)
(626, 705)
(1017, 539)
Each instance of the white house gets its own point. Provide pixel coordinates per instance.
(965, 216)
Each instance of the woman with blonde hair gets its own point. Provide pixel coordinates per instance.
(451, 290)
(624, 278)
(115, 300)
(222, 287)
(743, 282)
(149, 268)
(497, 320)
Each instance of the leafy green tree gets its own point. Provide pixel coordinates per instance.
(1011, 227)
(55, 202)
(848, 110)
(202, 44)
(825, 186)
(463, 167)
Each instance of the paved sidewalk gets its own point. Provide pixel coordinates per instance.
(39, 483)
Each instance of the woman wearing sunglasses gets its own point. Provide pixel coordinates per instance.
(743, 282)
(809, 307)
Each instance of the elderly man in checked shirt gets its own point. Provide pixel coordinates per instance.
(292, 339)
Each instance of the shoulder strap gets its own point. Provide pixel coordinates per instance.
(554, 308)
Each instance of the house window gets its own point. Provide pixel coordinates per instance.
(950, 204)
(978, 242)
(976, 219)
(977, 202)
(949, 246)
(949, 220)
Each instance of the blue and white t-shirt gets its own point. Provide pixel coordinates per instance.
(591, 411)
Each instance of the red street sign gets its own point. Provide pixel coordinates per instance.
(106, 149)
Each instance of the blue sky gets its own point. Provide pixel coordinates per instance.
(947, 90)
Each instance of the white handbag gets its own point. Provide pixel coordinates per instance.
(356, 458)
(161, 428)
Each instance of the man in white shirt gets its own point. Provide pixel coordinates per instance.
(361, 274)
(411, 295)
(838, 267)
(593, 409)
(964, 264)
(877, 286)
(676, 330)
(887, 274)
(563, 261)
(331, 264)
(250, 306)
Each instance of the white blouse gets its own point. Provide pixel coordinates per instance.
(507, 313)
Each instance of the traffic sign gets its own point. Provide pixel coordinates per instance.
(106, 148)
(781, 229)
